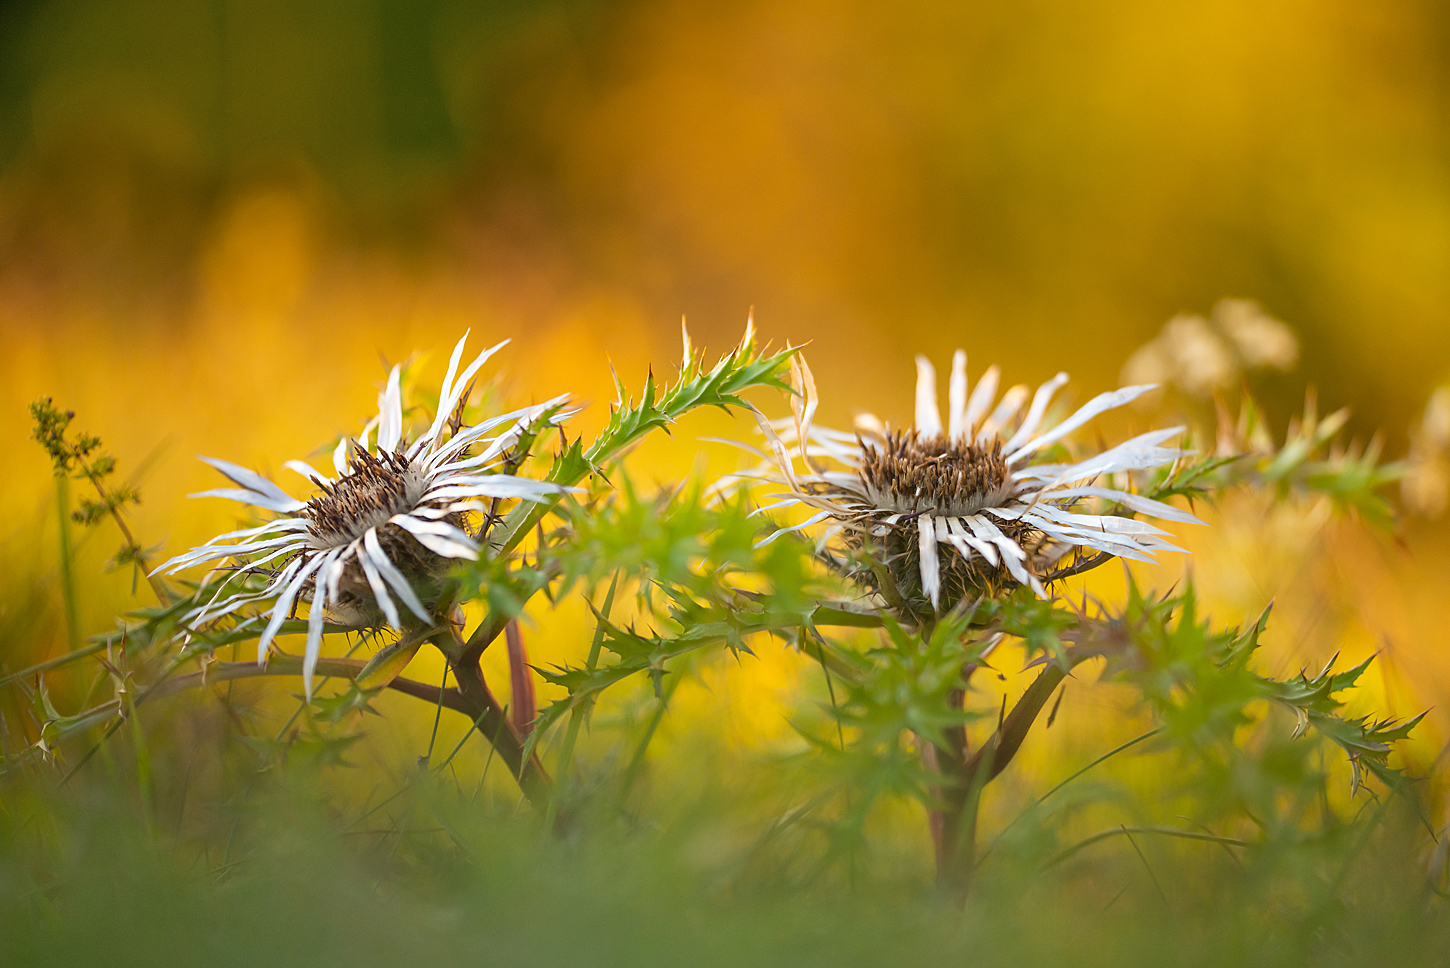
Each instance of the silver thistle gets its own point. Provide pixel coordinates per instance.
(949, 511)
(392, 522)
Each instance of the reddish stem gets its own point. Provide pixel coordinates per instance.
(522, 706)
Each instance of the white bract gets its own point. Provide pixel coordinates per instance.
(393, 518)
(966, 496)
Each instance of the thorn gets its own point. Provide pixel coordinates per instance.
(455, 420)
(748, 339)
(618, 386)
(1052, 716)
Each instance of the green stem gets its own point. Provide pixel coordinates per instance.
(577, 714)
(158, 588)
(67, 573)
(437, 719)
(637, 760)
(1042, 799)
(40, 667)
(444, 765)
(143, 766)
(1129, 831)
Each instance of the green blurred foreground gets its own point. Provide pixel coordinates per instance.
(84, 882)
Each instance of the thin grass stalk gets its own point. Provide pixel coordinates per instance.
(637, 760)
(67, 571)
(1043, 799)
(577, 714)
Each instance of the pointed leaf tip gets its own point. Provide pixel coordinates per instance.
(747, 342)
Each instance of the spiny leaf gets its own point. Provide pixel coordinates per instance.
(388, 664)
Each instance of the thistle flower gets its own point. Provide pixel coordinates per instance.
(944, 512)
(385, 530)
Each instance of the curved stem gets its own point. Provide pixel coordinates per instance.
(282, 665)
(1129, 831)
(488, 714)
(471, 698)
(994, 755)
(1086, 564)
(954, 826)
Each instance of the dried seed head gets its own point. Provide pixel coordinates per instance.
(373, 490)
(907, 473)
(928, 519)
(888, 562)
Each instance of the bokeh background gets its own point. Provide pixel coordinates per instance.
(217, 219)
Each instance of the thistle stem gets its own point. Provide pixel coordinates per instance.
(1083, 565)
(954, 824)
(489, 714)
(492, 721)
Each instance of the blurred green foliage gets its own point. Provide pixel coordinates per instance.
(277, 876)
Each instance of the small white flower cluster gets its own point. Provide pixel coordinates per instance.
(1198, 355)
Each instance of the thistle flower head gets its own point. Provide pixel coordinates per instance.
(385, 530)
(936, 514)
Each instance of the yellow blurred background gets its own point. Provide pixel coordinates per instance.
(218, 218)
